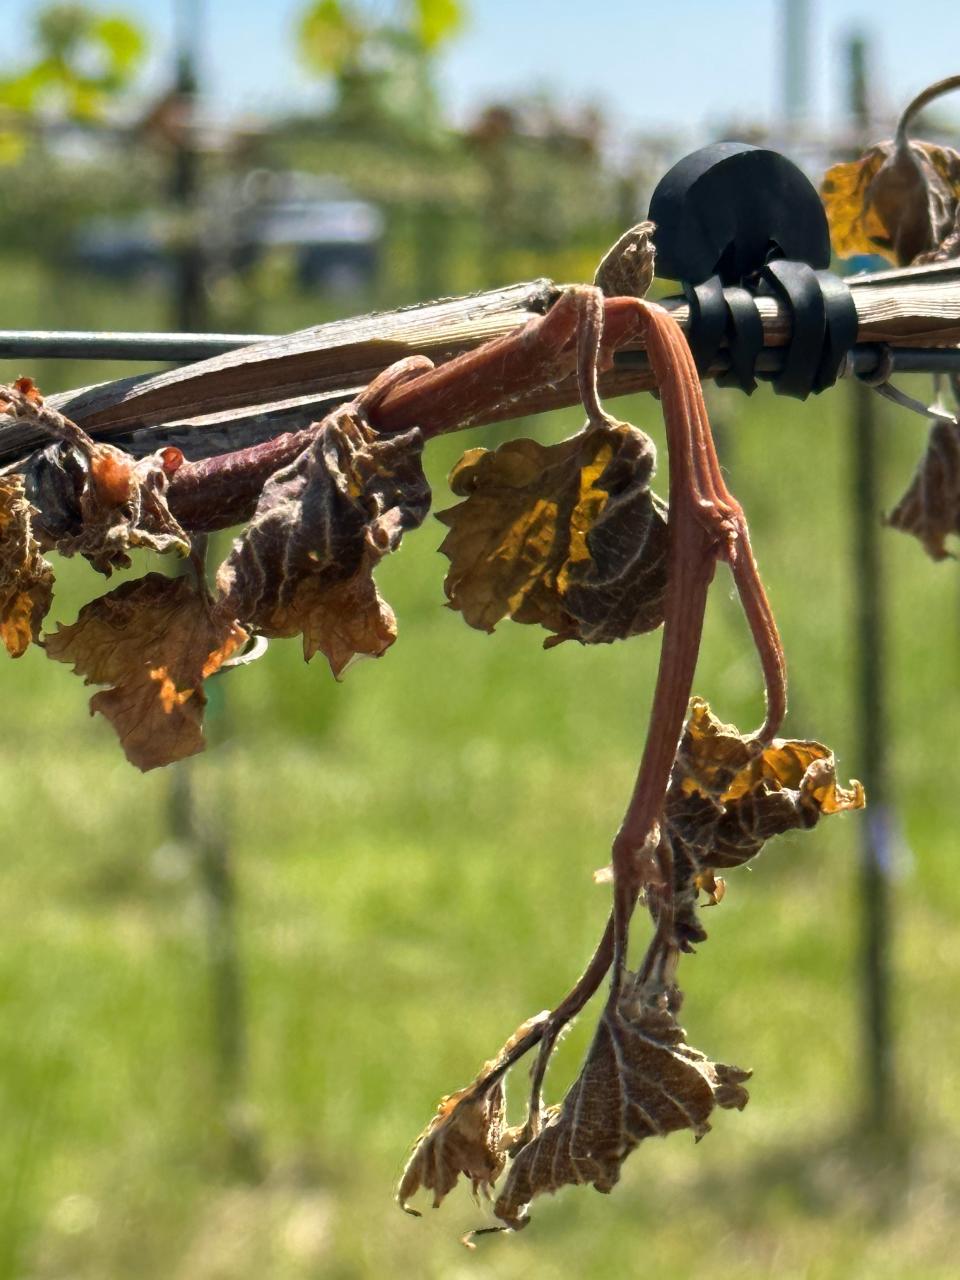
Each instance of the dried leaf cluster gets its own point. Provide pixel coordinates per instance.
(900, 202)
(303, 566)
(570, 537)
(708, 804)
(726, 799)
(640, 1079)
(153, 642)
(467, 1135)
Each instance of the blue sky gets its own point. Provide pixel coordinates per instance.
(682, 64)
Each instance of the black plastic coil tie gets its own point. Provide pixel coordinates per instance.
(708, 321)
(823, 319)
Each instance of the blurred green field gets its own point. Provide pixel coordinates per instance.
(414, 852)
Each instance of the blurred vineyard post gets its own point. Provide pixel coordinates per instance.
(869, 649)
(199, 818)
(189, 297)
(199, 821)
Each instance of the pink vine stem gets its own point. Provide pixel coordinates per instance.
(706, 524)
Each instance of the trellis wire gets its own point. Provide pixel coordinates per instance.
(186, 348)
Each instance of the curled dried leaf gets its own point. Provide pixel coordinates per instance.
(153, 641)
(27, 388)
(26, 579)
(94, 499)
(930, 508)
(568, 536)
(627, 268)
(122, 505)
(465, 1136)
(640, 1079)
(900, 199)
(727, 797)
(305, 563)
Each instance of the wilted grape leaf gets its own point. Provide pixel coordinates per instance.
(463, 1137)
(727, 798)
(930, 508)
(305, 562)
(26, 579)
(899, 199)
(154, 641)
(93, 499)
(121, 505)
(568, 536)
(640, 1079)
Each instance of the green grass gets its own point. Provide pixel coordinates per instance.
(414, 852)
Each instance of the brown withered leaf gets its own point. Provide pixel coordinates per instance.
(727, 797)
(93, 499)
(900, 199)
(153, 641)
(26, 579)
(465, 1136)
(930, 508)
(120, 505)
(627, 268)
(568, 536)
(640, 1079)
(305, 563)
(343, 620)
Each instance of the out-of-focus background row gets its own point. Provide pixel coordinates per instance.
(231, 992)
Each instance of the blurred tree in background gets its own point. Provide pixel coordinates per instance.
(54, 109)
(83, 61)
(382, 71)
(524, 188)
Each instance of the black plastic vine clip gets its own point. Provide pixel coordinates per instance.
(729, 208)
(734, 220)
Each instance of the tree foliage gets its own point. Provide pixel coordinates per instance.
(83, 60)
(380, 69)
